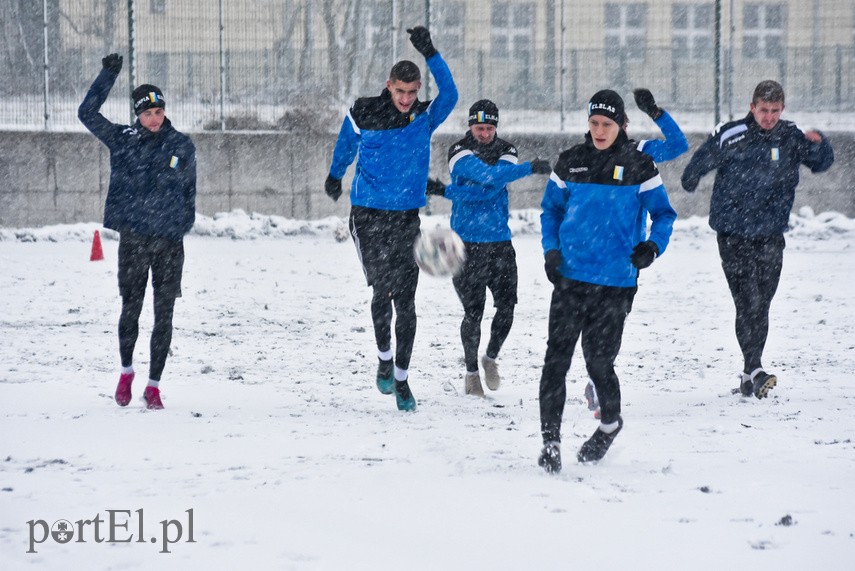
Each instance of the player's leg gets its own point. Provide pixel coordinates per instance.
(470, 287)
(564, 328)
(403, 276)
(166, 272)
(606, 313)
(134, 263)
(502, 282)
(743, 263)
(366, 229)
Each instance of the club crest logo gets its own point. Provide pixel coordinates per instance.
(62, 531)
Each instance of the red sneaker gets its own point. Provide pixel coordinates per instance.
(123, 390)
(152, 398)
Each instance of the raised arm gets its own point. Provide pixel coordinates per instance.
(89, 110)
(441, 107)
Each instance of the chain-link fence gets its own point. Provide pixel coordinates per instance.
(293, 64)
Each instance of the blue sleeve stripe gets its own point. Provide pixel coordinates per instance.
(453, 160)
(557, 180)
(650, 184)
(510, 158)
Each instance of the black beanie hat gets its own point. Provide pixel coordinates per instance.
(147, 96)
(608, 104)
(484, 111)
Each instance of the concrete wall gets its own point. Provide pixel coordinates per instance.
(54, 178)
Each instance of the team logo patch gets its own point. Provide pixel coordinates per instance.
(618, 174)
(776, 154)
(173, 162)
(62, 531)
(152, 96)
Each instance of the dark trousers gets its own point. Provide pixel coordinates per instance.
(598, 314)
(493, 266)
(753, 270)
(384, 241)
(165, 259)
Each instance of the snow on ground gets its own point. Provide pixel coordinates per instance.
(276, 439)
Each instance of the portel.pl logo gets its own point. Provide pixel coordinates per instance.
(118, 527)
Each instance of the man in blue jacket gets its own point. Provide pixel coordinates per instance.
(151, 202)
(391, 133)
(482, 165)
(593, 208)
(757, 160)
(660, 150)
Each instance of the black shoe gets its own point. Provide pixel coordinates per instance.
(598, 444)
(386, 376)
(550, 458)
(763, 383)
(746, 385)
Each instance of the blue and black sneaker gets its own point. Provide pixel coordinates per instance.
(404, 396)
(386, 376)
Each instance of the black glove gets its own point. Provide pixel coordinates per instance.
(644, 100)
(333, 187)
(553, 262)
(689, 184)
(112, 63)
(435, 187)
(643, 254)
(540, 166)
(420, 38)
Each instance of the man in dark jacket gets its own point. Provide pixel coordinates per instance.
(594, 246)
(757, 160)
(391, 134)
(151, 202)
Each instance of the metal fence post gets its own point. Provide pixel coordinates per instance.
(45, 61)
(563, 72)
(717, 63)
(222, 70)
(132, 54)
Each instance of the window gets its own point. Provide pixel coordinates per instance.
(692, 38)
(158, 6)
(447, 19)
(512, 30)
(763, 31)
(626, 30)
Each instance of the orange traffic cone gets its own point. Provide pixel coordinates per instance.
(97, 251)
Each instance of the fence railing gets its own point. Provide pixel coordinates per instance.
(293, 64)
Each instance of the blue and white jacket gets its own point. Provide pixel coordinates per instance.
(757, 174)
(480, 175)
(152, 175)
(393, 147)
(674, 145)
(593, 209)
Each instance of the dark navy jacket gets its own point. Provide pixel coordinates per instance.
(393, 147)
(594, 206)
(757, 174)
(480, 175)
(152, 175)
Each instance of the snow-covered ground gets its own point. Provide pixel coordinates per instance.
(277, 440)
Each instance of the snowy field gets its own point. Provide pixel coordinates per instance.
(276, 442)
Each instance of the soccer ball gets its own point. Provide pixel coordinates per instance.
(440, 252)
